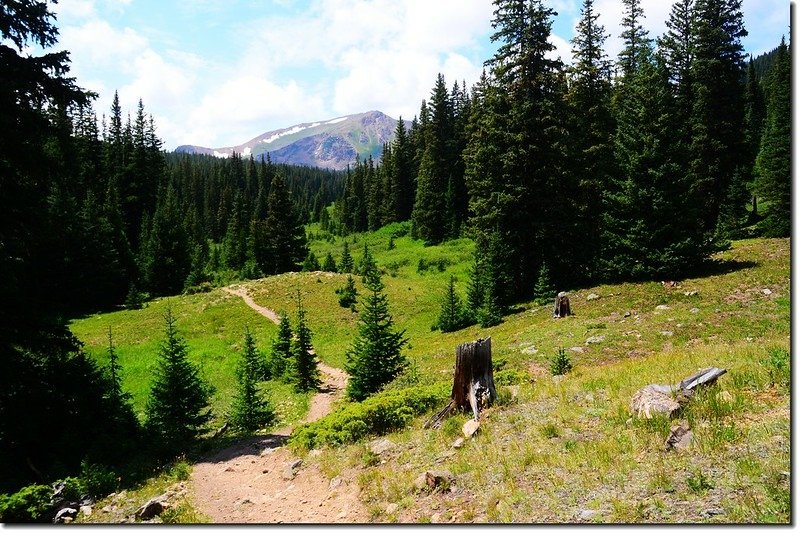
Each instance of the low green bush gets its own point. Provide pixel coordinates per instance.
(509, 376)
(97, 480)
(29, 504)
(379, 414)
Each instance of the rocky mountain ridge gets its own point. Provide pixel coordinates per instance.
(333, 143)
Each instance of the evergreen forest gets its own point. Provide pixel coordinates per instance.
(565, 174)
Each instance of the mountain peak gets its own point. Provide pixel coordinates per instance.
(334, 143)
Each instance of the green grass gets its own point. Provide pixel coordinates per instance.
(212, 324)
(558, 447)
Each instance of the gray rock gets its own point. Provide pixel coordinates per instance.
(379, 447)
(592, 297)
(392, 508)
(694, 310)
(712, 511)
(459, 442)
(470, 428)
(152, 508)
(667, 334)
(596, 339)
(335, 482)
(648, 401)
(662, 308)
(65, 515)
(680, 437)
(587, 514)
(86, 509)
(577, 349)
(627, 314)
(530, 350)
(291, 469)
(766, 292)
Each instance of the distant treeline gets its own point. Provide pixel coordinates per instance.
(594, 170)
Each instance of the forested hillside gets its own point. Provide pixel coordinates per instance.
(553, 175)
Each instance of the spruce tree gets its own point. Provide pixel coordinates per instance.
(250, 410)
(348, 294)
(346, 262)
(375, 357)
(592, 162)
(430, 208)
(303, 371)
(329, 265)
(452, 315)
(717, 117)
(367, 264)
(281, 353)
(178, 407)
(754, 116)
(311, 263)
(279, 242)
(774, 162)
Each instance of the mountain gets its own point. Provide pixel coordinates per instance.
(333, 143)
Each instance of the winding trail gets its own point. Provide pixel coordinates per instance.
(251, 482)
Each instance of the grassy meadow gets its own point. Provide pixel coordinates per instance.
(551, 450)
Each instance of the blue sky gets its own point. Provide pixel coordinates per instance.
(220, 72)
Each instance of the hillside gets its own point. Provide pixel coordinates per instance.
(552, 450)
(332, 143)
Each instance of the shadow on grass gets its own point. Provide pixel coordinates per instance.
(718, 268)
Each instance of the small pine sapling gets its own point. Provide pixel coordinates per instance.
(560, 364)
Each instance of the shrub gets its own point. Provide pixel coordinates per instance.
(97, 480)
(29, 504)
(379, 414)
(509, 376)
(778, 367)
(348, 294)
(560, 364)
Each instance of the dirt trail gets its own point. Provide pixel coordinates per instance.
(252, 482)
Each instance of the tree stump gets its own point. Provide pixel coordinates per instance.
(561, 307)
(473, 381)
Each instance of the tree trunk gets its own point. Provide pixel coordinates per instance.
(561, 307)
(473, 381)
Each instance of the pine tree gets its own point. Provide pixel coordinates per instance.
(401, 173)
(311, 263)
(637, 44)
(281, 353)
(592, 160)
(677, 46)
(375, 357)
(514, 160)
(774, 162)
(649, 229)
(430, 209)
(545, 291)
(303, 372)
(329, 265)
(367, 264)
(452, 315)
(717, 117)
(346, 262)
(178, 407)
(250, 410)
(754, 116)
(348, 294)
(280, 240)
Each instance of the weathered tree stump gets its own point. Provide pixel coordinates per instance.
(473, 381)
(561, 307)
